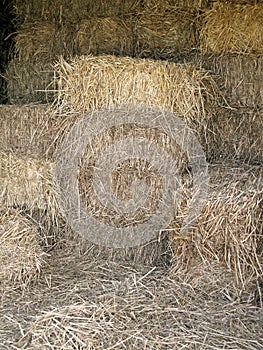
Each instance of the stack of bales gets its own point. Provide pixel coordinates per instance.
(226, 231)
(232, 48)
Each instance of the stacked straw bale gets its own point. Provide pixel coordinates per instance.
(92, 82)
(27, 183)
(240, 76)
(104, 35)
(42, 41)
(166, 33)
(30, 73)
(230, 28)
(230, 227)
(32, 130)
(29, 82)
(21, 255)
(232, 48)
(71, 10)
(157, 5)
(236, 134)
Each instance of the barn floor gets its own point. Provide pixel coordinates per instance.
(112, 305)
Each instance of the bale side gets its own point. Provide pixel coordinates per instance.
(42, 41)
(65, 11)
(231, 28)
(33, 131)
(27, 183)
(240, 76)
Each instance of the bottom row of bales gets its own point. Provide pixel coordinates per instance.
(228, 230)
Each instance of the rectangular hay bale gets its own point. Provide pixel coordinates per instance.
(29, 82)
(232, 28)
(236, 134)
(92, 82)
(166, 34)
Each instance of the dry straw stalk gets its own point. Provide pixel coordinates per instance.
(21, 256)
(92, 82)
(104, 35)
(144, 308)
(230, 28)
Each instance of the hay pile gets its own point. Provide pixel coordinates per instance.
(92, 82)
(21, 256)
(229, 229)
(124, 306)
(236, 134)
(231, 28)
(165, 33)
(104, 35)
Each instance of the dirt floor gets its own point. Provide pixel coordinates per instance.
(86, 302)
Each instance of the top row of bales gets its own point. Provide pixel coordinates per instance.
(173, 30)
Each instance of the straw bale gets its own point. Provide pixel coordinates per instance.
(166, 34)
(104, 36)
(156, 5)
(231, 28)
(110, 8)
(44, 10)
(230, 227)
(236, 134)
(63, 11)
(27, 182)
(42, 42)
(32, 130)
(241, 77)
(92, 82)
(29, 82)
(21, 256)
